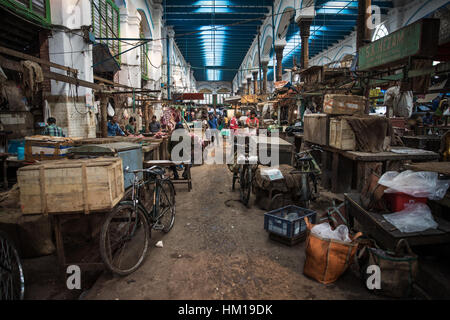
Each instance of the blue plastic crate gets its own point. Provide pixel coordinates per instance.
(288, 221)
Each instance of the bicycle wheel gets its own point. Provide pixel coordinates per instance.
(124, 239)
(246, 184)
(167, 207)
(12, 281)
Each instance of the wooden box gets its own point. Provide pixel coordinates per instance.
(340, 104)
(316, 128)
(47, 147)
(341, 135)
(71, 186)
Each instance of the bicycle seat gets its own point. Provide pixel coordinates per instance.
(156, 171)
(306, 158)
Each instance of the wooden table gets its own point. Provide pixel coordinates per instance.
(439, 167)
(385, 234)
(426, 142)
(168, 164)
(286, 155)
(60, 251)
(343, 171)
(151, 151)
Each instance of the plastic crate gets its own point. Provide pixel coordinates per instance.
(288, 221)
(396, 201)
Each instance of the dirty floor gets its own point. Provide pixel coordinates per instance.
(218, 249)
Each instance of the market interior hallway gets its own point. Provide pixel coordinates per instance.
(218, 249)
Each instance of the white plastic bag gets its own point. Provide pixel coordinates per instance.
(403, 104)
(324, 230)
(421, 184)
(415, 217)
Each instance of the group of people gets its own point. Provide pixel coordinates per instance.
(214, 124)
(114, 128)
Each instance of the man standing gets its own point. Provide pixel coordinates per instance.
(154, 126)
(113, 128)
(212, 123)
(52, 130)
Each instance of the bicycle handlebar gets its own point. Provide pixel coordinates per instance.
(149, 170)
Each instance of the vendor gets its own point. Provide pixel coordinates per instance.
(52, 129)
(234, 123)
(114, 128)
(154, 125)
(130, 128)
(253, 121)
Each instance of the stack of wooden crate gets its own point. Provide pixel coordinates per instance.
(328, 128)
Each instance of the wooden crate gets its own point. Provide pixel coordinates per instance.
(341, 104)
(341, 135)
(316, 128)
(47, 147)
(71, 186)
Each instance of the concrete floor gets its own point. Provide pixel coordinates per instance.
(218, 249)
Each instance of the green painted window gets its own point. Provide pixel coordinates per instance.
(34, 10)
(106, 23)
(144, 62)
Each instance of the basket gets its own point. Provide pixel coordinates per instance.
(288, 221)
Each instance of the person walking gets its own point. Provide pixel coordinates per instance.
(213, 126)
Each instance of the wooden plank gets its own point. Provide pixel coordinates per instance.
(16, 66)
(439, 167)
(388, 155)
(24, 56)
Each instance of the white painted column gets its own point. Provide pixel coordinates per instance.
(67, 47)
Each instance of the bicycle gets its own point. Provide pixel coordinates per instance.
(243, 170)
(127, 229)
(12, 281)
(309, 170)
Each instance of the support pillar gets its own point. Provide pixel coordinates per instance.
(255, 82)
(362, 37)
(249, 85)
(104, 114)
(279, 48)
(265, 66)
(146, 116)
(304, 25)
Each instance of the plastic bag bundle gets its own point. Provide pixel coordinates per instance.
(415, 217)
(422, 184)
(324, 230)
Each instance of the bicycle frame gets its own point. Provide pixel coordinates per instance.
(135, 197)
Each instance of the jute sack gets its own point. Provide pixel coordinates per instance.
(327, 259)
(399, 269)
